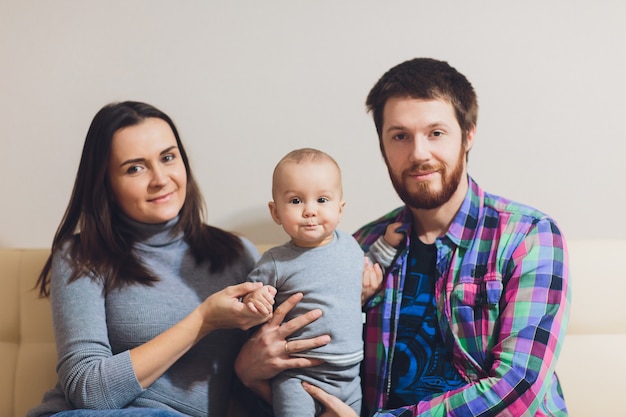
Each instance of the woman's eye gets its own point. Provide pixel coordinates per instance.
(168, 158)
(295, 201)
(134, 169)
(322, 200)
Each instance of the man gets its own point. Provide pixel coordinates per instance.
(471, 315)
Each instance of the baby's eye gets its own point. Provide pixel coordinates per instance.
(295, 200)
(322, 200)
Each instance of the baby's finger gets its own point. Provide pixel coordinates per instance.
(253, 308)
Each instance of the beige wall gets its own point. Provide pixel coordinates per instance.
(247, 81)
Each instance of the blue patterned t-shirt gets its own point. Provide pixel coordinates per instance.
(422, 363)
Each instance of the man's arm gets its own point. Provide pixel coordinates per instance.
(535, 306)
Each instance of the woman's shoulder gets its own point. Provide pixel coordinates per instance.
(63, 254)
(250, 248)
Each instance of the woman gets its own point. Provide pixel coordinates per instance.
(145, 296)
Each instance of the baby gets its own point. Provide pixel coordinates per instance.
(324, 264)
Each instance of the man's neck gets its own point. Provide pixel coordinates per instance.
(432, 223)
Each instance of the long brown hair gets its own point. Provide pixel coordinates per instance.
(99, 246)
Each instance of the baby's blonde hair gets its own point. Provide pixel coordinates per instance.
(298, 156)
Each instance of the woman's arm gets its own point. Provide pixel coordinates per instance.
(91, 374)
(222, 310)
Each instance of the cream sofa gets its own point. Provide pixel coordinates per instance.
(591, 367)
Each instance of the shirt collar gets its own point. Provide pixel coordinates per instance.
(462, 228)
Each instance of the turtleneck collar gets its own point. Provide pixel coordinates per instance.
(155, 235)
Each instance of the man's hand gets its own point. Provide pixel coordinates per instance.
(266, 354)
(333, 406)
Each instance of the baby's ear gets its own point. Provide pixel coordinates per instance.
(342, 204)
(274, 212)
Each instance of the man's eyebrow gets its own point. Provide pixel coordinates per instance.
(137, 160)
(429, 126)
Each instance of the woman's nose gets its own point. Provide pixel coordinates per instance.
(159, 177)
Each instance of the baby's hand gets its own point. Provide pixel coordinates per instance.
(372, 280)
(393, 237)
(261, 301)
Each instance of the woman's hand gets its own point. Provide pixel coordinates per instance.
(266, 353)
(333, 406)
(224, 310)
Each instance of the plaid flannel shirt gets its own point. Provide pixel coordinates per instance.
(503, 296)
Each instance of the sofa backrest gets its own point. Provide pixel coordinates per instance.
(590, 367)
(27, 348)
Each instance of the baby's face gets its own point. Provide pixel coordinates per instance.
(308, 201)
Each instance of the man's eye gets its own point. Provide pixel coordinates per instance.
(400, 136)
(322, 200)
(295, 201)
(437, 133)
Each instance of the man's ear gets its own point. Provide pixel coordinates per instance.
(273, 212)
(469, 139)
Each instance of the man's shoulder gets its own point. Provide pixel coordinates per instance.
(367, 234)
(513, 218)
(503, 206)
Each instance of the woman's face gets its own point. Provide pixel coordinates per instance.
(146, 172)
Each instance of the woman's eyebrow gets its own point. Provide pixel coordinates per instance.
(136, 160)
(166, 150)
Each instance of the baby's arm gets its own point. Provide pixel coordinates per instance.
(261, 300)
(379, 256)
(384, 249)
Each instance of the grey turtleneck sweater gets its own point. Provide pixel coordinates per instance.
(94, 332)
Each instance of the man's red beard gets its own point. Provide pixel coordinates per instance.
(424, 197)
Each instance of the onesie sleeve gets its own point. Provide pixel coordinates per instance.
(381, 253)
(265, 270)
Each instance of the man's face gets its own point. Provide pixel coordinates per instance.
(424, 150)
